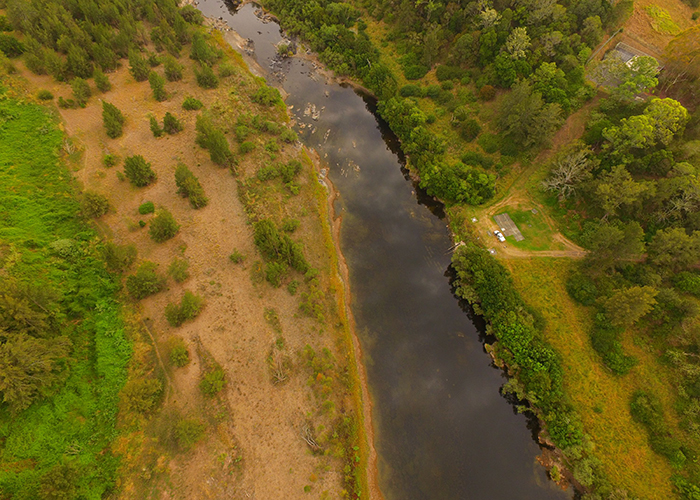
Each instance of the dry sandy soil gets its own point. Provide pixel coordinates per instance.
(253, 448)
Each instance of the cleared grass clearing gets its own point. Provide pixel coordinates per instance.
(601, 398)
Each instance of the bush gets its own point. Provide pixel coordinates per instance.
(179, 355)
(289, 136)
(145, 282)
(172, 69)
(157, 84)
(201, 51)
(138, 66)
(415, 72)
(267, 96)
(213, 382)
(163, 226)
(189, 308)
(147, 208)
(44, 95)
(110, 160)
(113, 120)
(10, 46)
(171, 124)
(487, 93)
(695, 16)
(188, 186)
(118, 258)
(688, 282)
(290, 225)
(141, 395)
(489, 143)
(470, 129)
(448, 85)
(188, 432)
(444, 73)
(94, 205)
(178, 270)
(190, 14)
(192, 104)
(155, 127)
(410, 90)
(206, 77)
(605, 339)
(213, 139)
(138, 171)
(67, 103)
(246, 147)
(272, 146)
(433, 91)
(153, 60)
(476, 159)
(582, 289)
(509, 148)
(101, 81)
(236, 257)
(227, 69)
(274, 272)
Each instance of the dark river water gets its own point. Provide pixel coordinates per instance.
(443, 430)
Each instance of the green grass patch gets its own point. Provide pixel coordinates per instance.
(662, 21)
(534, 228)
(43, 243)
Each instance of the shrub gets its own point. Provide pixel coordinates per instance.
(688, 282)
(118, 258)
(178, 270)
(153, 60)
(179, 355)
(695, 16)
(470, 129)
(155, 127)
(444, 73)
(289, 136)
(213, 382)
(67, 103)
(163, 226)
(189, 308)
(489, 143)
(141, 395)
(171, 124)
(290, 225)
(172, 69)
(188, 186)
(448, 85)
(236, 257)
(188, 432)
(138, 66)
(246, 147)
(157, 84)
(94, 205)
(113, 120)
(138, 171)
(146, 281)
(191, 104)
(272, 146)
(201, 51)
(274, 272)
(410, 90)
(44, 95)
(605, 339)
(487, 93)
(433, 91)
(227, 69)
(101, 81)
(206, 77)
(110, 160)
(415, 72)
(81, 91)
(191, 15)
(10, 46)
(509, 148)
(582, 289)
(267, 96)
(476, 159)
(147, 208)
(213, 139)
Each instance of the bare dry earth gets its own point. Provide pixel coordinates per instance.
(260, 422)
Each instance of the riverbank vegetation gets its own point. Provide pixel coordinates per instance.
(475, 92)
(114, 404)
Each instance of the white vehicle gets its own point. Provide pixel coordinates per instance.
(499, 235)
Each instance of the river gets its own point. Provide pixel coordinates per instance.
(442, 428)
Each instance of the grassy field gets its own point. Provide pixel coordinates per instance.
(601, 398)
(533, 227)
(45, 244)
